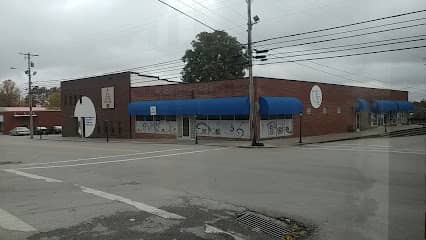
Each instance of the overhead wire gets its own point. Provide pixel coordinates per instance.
(341, 56)
(349, 49)
(346, 37)
(342, 26)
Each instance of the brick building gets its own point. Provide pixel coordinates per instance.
(124, 106)
(11, 117)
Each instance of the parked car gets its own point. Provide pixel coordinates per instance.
(20, 131)
(40, 130)
(57, 129)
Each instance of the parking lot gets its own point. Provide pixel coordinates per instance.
(360, 189)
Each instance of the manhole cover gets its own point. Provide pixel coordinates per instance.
(276, 228)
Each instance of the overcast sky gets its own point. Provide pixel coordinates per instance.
(84, 37)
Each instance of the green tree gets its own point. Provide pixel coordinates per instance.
(55, 99)
(9, 94)
(214, 56)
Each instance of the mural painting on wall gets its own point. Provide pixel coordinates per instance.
(223, 128)
(158, 127)
(276, 128)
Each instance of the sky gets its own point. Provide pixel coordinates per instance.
(76, 38)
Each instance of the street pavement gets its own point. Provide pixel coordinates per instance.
(359, 189)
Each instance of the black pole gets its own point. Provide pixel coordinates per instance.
(196, 130)
(83, 128)
(300, 127)
(385, 122)
(107, 131)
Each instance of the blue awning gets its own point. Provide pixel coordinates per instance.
(280, 106)
(362, 105)
(405, 106)
(382, 106)
(200, 106)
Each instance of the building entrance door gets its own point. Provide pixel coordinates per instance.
(186, 127)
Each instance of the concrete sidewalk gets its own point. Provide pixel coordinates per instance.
(282, 142)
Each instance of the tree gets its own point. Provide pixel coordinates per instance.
(41, 96)
(55, 99)
(9, 94)
(214, 56)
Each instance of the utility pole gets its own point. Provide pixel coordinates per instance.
(253, 134)
(30, 95)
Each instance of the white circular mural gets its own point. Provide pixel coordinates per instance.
(85, 108)
(316, 96)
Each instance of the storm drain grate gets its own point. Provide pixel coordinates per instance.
(261, 223)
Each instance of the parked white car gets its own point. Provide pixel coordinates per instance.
(57, 129)
(20, 131)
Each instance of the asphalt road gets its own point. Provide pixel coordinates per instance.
(363, 189)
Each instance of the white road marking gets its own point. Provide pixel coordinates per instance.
(359, 146)
(363, 150)
(10, 222)
(120, 160)
(33, 176)
(211, 229)
(102, 157)
(141, 206)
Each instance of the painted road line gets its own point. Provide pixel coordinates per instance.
(103, 157)
(141, 206)
(362, 147)
(10, 222)
(120, 160)
(214, 230)
(33, 176)
(358, 150)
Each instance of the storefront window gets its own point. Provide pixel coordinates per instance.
(241, 117)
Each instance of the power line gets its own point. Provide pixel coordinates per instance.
(342, 26)
(346, 45)
(332, 74)
(117, 71)
(343, 32)
(187, 15)
(350, 79)
(341, 56)
(346, 37)
(355, 74)
(348, 49)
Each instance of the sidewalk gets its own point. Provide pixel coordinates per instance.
(272, 143)
(370, 133)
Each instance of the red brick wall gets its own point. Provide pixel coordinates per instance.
(91, 87)
(43, 118)
(316, 123)
(334, 96)
(228, 88)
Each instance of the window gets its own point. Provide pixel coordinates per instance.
(214, 117)
(64, 99)
(228, 117)
(140, 118)
(339, 110)
(241, 117)
(171, 118)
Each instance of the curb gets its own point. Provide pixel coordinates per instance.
(345, 139)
